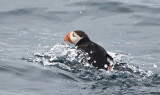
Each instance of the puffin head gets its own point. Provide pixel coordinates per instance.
(75, 36)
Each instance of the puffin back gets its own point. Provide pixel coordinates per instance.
(96, 53)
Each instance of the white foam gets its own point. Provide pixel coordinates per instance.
(59, 51)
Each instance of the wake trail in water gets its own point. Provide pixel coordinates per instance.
(69, 58)
(125, 75)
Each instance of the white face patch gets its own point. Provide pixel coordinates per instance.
(75, 38)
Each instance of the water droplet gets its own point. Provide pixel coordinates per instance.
(155, 66)
(105, 66)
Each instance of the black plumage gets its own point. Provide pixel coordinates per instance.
(98, 55)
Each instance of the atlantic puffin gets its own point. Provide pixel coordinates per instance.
(99, 58)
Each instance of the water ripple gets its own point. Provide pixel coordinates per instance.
(11, 69)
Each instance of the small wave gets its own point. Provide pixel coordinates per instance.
(65, 57)
(61, 53)
(11, 69)
(125, 76)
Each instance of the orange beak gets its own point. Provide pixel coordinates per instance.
(67, 38)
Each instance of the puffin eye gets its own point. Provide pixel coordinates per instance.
(73, 35)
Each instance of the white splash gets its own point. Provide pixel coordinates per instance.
(120, 58)
(58, 52)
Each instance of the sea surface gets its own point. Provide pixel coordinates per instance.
(34, 59)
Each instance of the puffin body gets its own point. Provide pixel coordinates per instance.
(98, 57)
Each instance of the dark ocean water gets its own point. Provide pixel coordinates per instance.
(34, 59)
